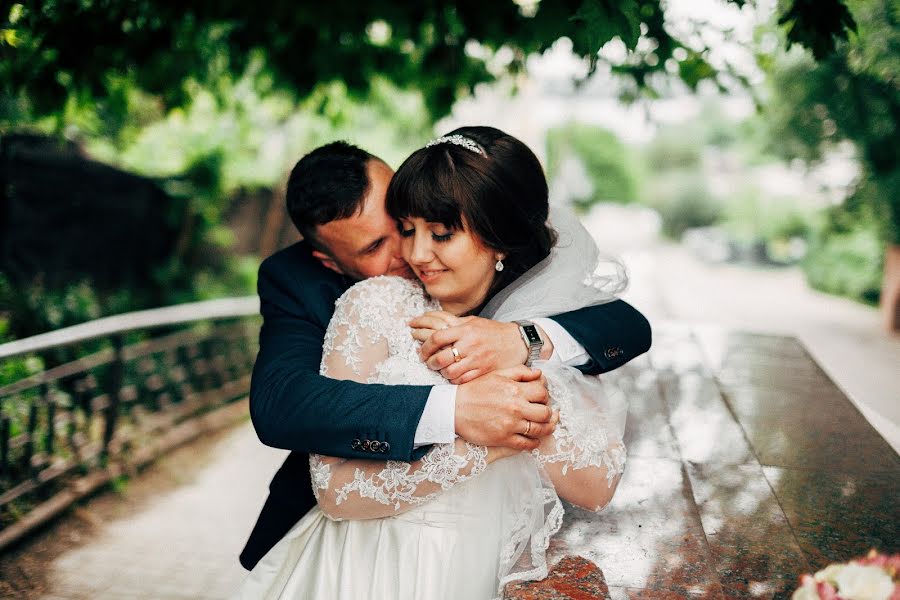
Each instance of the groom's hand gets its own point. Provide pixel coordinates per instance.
(482, 345)
(495, 410)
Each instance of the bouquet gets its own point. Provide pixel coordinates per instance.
(875, 577)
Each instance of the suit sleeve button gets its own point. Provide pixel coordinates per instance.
(355, 444)
(385, 447)
(376, 446)
(366, 445)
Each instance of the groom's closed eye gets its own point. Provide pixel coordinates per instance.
(373, 246)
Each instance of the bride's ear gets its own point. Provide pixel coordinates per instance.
(327, 261)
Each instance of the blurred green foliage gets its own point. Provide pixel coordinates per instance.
(682, 199)
(677, 168)
(606, 162)
(852, 96)
(224, 144)
(750, 216)
(676, 147)
(846, 263)
(671, 174)
(159, 47)
(213, 100)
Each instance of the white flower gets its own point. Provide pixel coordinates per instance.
(806, 592)
(830, 573)
(857, 582)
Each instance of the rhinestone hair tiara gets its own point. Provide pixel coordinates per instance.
(457, 140)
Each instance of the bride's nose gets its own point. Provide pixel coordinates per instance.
(421, 248)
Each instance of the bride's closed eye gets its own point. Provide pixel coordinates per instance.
(438, 237)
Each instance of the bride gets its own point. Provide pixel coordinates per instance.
(464, 520)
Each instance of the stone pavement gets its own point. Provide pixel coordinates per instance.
(173, 533)
(747, 467)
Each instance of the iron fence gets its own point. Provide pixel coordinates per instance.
(105, 411)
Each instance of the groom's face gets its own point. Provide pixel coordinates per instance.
(367, 243)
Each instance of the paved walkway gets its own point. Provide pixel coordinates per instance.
(173, 533)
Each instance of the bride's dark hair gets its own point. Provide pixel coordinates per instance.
(500, 195)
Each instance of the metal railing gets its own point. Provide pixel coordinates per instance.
(110, 409)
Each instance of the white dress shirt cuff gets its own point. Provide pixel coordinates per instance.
(438, 422)
(565, 349)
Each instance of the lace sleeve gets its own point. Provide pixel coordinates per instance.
(585, 456)
(357, 341)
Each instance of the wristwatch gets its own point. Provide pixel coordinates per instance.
(532, 339)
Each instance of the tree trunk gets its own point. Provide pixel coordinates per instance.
(890, 288)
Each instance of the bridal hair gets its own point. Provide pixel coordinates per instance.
(500, 194)
(325, 185)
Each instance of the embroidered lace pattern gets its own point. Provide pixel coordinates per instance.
(374, 314)
(581, 440)
(377, 310)
(320, 474)
(397, 482)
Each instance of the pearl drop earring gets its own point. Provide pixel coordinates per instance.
(499, 265)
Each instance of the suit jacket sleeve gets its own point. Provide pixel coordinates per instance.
(612, 334)
(295, 408)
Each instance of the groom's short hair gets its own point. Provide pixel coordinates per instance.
(327, 184)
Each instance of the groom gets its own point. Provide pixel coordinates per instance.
(336, 198)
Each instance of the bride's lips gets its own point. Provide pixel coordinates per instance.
(430, 275)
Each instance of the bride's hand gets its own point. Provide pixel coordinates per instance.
(482, 345)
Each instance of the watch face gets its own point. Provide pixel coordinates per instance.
(532, 334)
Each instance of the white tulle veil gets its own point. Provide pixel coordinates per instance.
(575, 275)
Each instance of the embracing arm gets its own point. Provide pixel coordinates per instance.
(296, 408)
(612, 334)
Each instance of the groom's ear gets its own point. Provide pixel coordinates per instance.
(327, 261)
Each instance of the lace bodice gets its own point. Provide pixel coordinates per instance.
(369, 340)
(369, 335)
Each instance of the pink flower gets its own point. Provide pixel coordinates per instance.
(874, 577)
(826, 591)
(890, 563)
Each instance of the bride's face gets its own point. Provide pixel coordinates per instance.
(453, 265)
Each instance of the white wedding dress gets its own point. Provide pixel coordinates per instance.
(448, 526)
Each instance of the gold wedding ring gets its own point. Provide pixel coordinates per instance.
(456, 356)
(527, 428)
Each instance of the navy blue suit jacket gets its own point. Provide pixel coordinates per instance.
(295, 408)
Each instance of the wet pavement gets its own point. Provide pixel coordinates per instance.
(747, 467)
